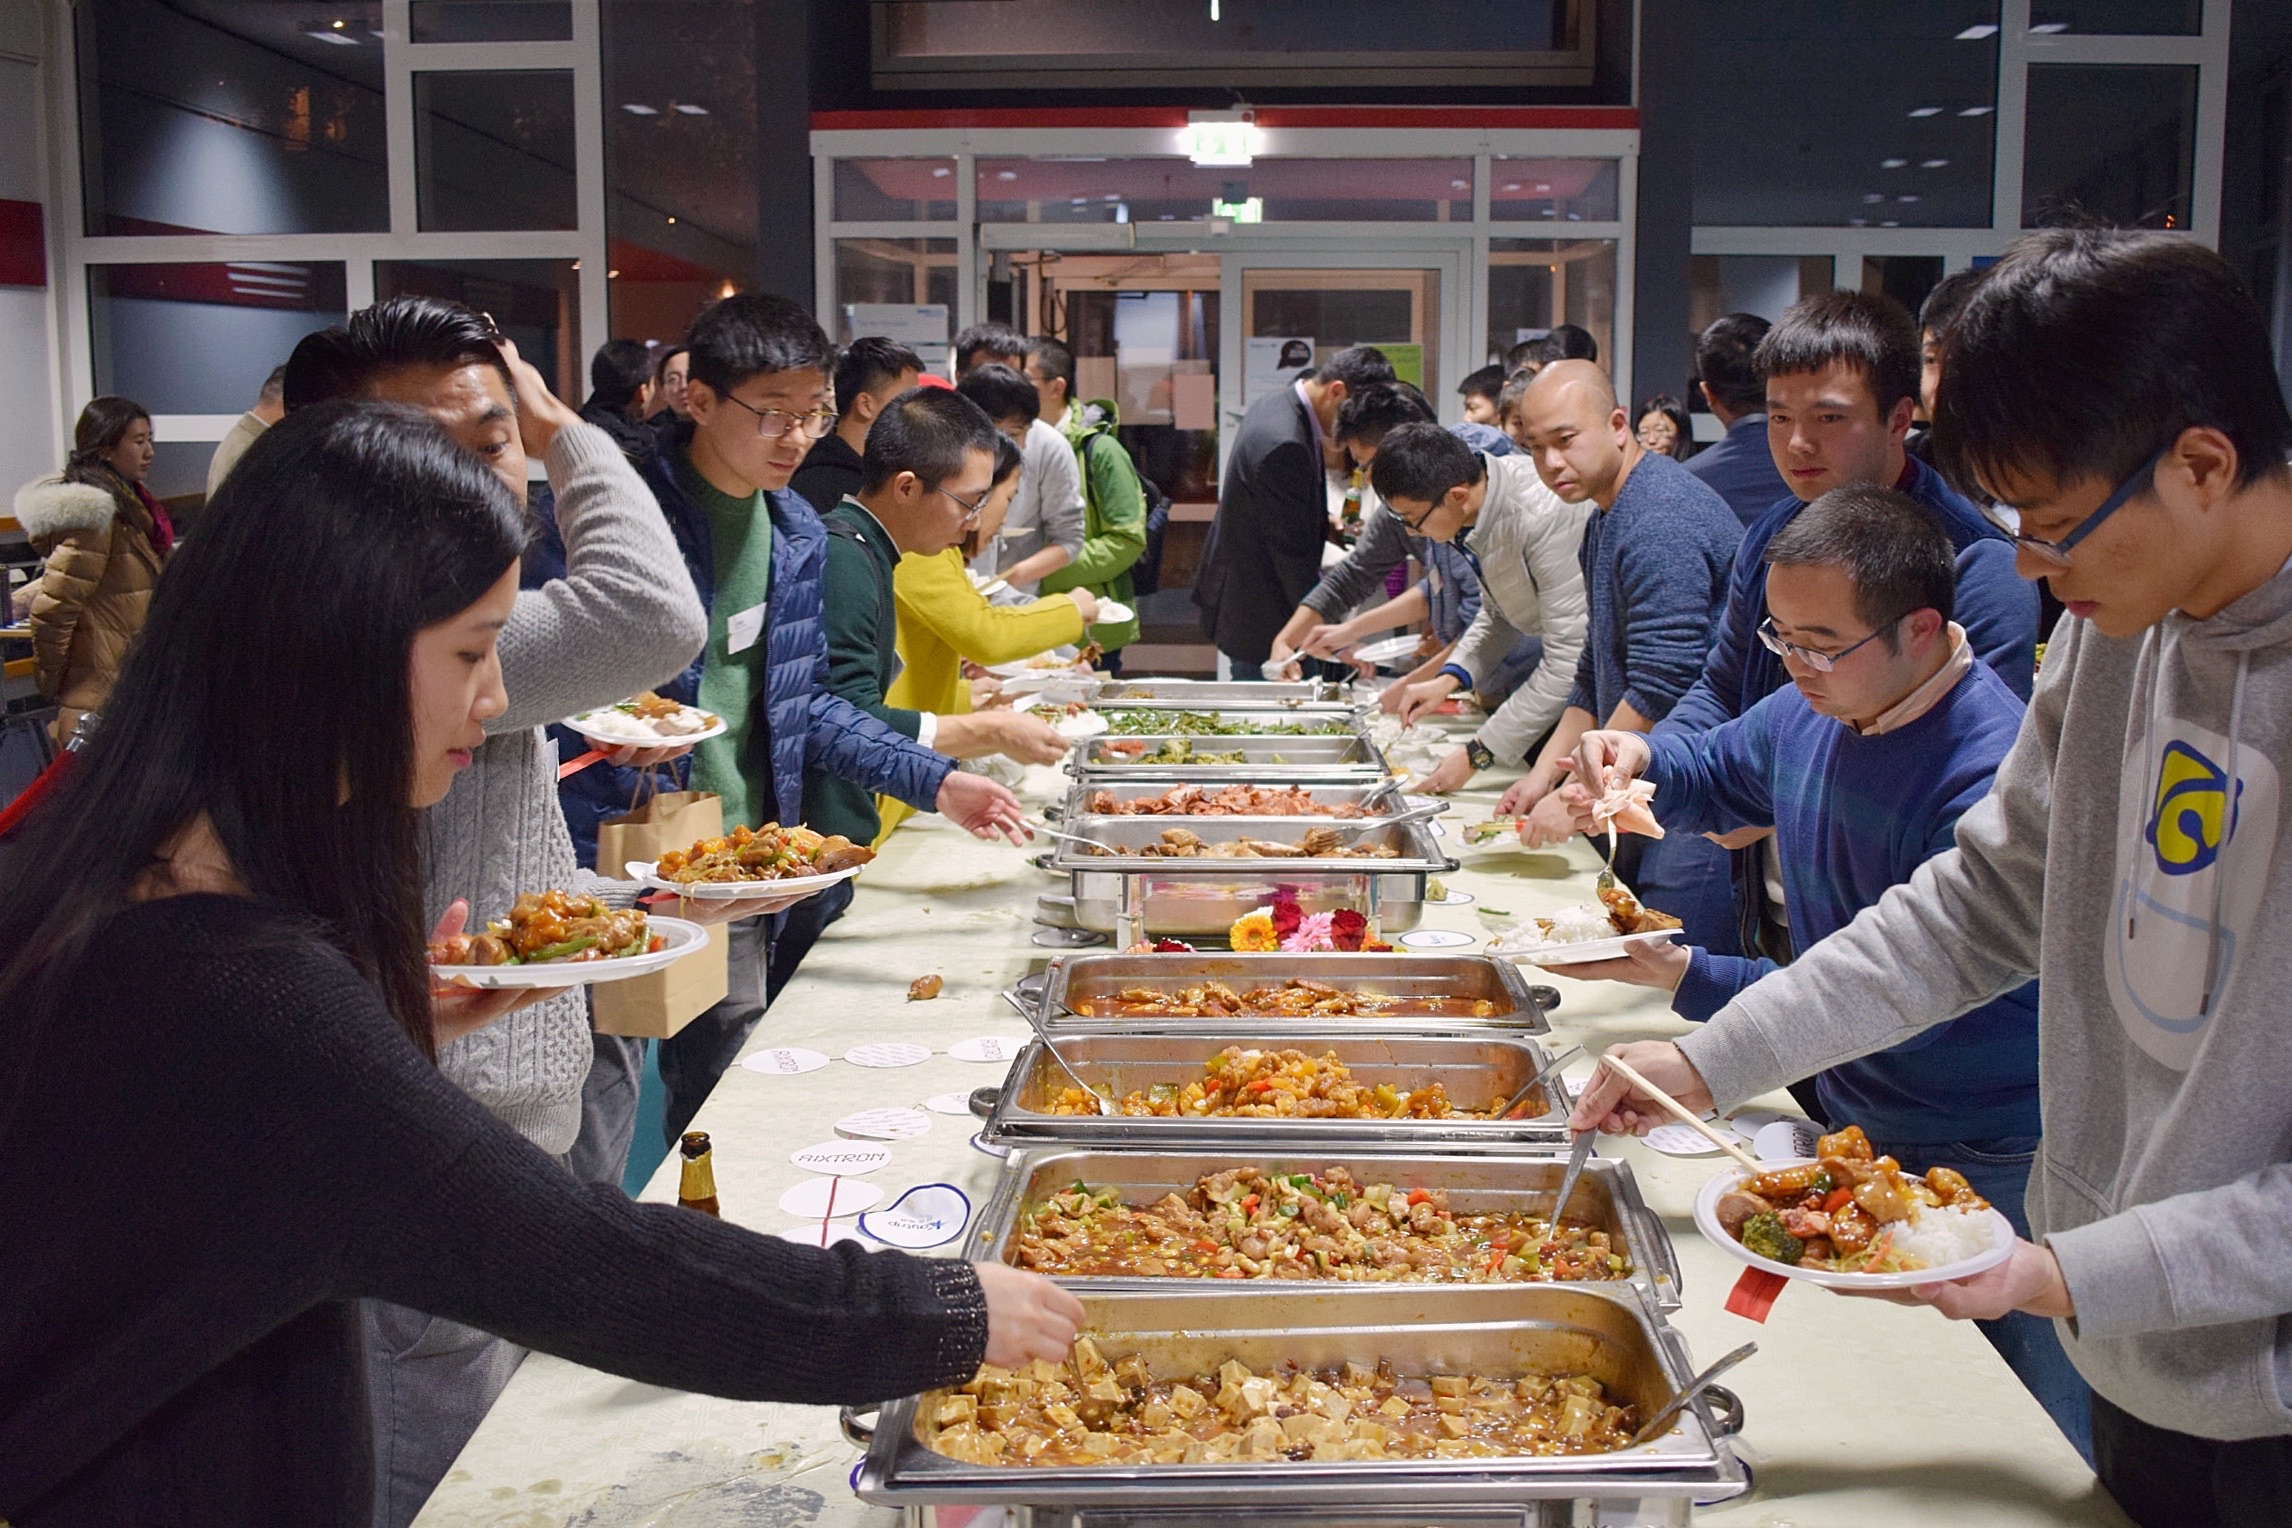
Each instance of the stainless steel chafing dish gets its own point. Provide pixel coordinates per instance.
(1211, 694)
(1609, 1333)
(1136, 896)
(1441, 988)
(1607, 1197)
(1347, 757)
(1479, 1071)
(1376, 797)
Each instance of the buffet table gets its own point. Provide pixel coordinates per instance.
(1859, 1413)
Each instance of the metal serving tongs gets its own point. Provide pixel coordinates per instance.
(1348, 831)
(1659, 1424)
(1073, 838)
(1542, 1072)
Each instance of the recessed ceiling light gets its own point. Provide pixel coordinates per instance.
(1906, 199)
(2045, 28)
(1512, 185)
(1925, 111)
(1933, 164)
(334, 37)
(1858, 222)
(612, 275)
(672, 220)
(1872, 198)
(941, 173)
(1460, 185)
(1078, 200)
(1890, 223)
(639, 109)
(1892, 164)
(1543, 185)
(1977, 32)
(1975, 111)
(1006, 175)
(686, 108)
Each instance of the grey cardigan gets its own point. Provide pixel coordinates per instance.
(1531, 586)
(623, 618)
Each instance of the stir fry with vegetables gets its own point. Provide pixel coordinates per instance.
(550, 926)
(1274, 1084)
(1850, 1211)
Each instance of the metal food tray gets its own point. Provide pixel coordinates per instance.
(1608, 1332)
(1607, 1197)
(1349, 757)
(1143, 896)
(1382, 797)
(1212, 694)
(1479, 1070)
(1463, 978)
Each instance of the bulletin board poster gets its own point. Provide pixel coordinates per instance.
(1408, 362)
(1270, 362)
(920, 326)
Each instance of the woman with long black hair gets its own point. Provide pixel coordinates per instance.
(220, 1120)
(105, 537)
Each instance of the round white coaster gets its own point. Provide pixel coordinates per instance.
(1436, 939)
(1679, 1141)
(784, 1061)
(948, 1103)
(888, 1053)
(1000, 1049)
(829, 1198)
(889, 1124)
(842, 1159)
(929, 1215)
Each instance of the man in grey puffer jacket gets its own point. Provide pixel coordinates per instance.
(2119, 390)
(623, 618)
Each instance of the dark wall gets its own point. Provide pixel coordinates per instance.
(2256, 171)
(1662, 335)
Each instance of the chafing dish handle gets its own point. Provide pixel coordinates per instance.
(1728, 1404)
(857, 1433)
(1653, 1243)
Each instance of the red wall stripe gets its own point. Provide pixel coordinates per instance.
(23, 245)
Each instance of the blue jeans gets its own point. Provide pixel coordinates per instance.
(1999, 1172)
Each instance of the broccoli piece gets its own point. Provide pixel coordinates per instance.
(1764, 1234)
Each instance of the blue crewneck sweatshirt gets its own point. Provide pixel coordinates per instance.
(1655, 576)
(1853, 816)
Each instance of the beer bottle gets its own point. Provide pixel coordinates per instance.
(698, 1189)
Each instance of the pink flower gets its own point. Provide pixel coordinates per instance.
(1313, 933)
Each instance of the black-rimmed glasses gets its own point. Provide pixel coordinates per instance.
(2056, 553)
(774, 423)
(1820, 662)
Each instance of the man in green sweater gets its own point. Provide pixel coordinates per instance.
(1113, 500)
(928, 468)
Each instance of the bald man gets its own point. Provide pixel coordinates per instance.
(1655, 557)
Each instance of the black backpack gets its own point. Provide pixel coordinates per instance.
(1146, 572)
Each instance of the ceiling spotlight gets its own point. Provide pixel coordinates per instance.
(1890, 223)
(1925, 111)
(941, 173)
(1933, 164)
(612, 275)
(1872, 198)
(1460, 185)
(672, 220)
(1977, 32)
(639, 109)
(686, 108)
(1006, 175)
(339, 25)
(1543, 185)
(1906, 200)
(1512, 185)
(1975, 111)
(1892, 164)
(1858, 222)
(2046, 28)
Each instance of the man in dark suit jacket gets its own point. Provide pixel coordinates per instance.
(1263, 555)
(1739, 468)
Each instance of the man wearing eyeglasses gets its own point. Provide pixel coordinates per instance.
(1889, 731)
(2119, 391)
(926, 474)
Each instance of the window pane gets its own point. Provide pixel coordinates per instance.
(231, 116)
(1761, 284)
(899, 273)
(1567, 190)
(1905, 278)
(199, 339)
(2112, 141)
(1814, 114)
(1535, 285)
(537, 303)
(1180, 191)
(2136, 18)
(680, 173)
(894, 190)
(494, 150)
(493, 20)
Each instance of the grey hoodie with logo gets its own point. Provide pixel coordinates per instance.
(2100, 865)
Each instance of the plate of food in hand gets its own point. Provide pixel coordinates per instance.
(1587, 931)
(1074, 719)
(1059, 684)
(647, 721)
(562, 939)
(988, 584)
(767, 861)
(1389, 650)
(1058, 659)
(1851, 1219)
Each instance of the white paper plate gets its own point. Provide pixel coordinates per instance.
(1385, 651)
(733, 891)
(678, 937)
(1112, 613)
(608, 740)
(1059, 684)
(1562, 955)
(1032, 665)
(1707, 1221)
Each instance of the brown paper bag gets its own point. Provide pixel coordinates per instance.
(657, 1005)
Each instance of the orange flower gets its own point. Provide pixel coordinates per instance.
(1255, 931)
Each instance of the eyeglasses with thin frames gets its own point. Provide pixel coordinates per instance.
(1820, 662)
(774, 423)
(2056, 553)
(972, 510)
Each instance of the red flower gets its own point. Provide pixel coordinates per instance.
(1172, 947)
(1286, 916)
(1348, 928)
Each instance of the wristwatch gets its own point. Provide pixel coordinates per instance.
(1477, 753)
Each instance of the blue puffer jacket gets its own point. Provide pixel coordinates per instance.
(801, 723)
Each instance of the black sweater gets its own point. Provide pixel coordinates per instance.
(222, 1138)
